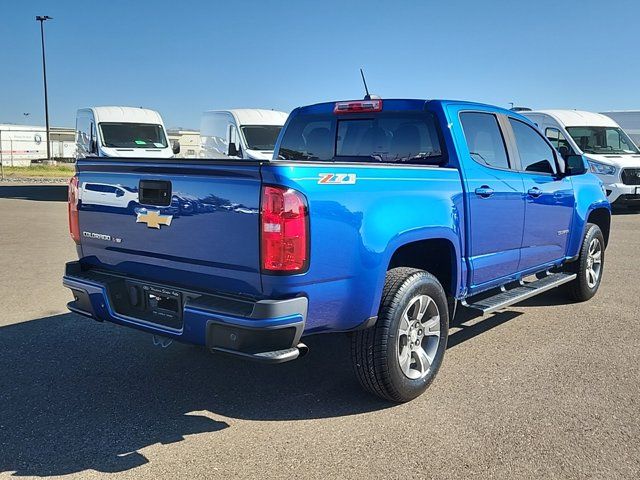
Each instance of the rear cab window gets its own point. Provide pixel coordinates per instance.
(410, 137)
(484, 139)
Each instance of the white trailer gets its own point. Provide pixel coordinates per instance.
(22, 144)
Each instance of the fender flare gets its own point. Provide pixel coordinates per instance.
(417, 235)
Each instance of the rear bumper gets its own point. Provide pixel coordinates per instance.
(264, 330)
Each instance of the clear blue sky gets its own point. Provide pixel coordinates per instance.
(184, 57)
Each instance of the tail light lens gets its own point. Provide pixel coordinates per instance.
(74, 226)
(284, 230)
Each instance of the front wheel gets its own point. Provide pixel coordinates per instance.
(589, 266)
(400, 355)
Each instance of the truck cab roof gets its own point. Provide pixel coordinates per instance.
(406, 104)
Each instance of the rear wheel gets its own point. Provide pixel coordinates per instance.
(400, 355)
(589, 266)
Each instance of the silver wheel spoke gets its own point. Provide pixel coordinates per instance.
(432, 326)
(423, 362)
(597, 257)
(424, 302)
(405, 324)
(405, 360)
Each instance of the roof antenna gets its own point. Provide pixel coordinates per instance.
(366, 89)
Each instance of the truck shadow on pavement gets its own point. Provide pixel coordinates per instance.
(43, 193)
(76, 394)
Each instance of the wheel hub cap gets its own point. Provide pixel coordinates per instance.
(418, 336)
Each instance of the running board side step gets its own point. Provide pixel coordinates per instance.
(507, 298)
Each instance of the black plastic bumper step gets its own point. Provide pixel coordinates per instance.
(278, 356)
(518, 294)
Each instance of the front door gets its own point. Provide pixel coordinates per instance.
(495, 197)
(549, 199)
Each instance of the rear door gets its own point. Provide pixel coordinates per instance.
(549, 198)
(495, 200)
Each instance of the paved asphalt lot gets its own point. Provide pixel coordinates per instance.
(546, 389)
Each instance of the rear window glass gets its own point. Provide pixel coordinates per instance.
(399, 137)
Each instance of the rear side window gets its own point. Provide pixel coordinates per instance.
(397, 137)
(535, 154)
(484, 139)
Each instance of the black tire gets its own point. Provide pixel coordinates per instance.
(581, 289)
(375, 350)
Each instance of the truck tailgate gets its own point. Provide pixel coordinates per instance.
(189, 223)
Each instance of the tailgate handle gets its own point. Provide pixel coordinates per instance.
(155, 192)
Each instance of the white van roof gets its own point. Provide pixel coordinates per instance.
(126, 115)
(577, 118)
(255, 116)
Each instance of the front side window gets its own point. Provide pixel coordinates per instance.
(132, 135)
(559, 141)
(393, 137)
(261, 137)
(484, 139)
(535, 154)
(602, 140)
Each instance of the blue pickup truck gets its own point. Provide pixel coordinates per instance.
(376, 217)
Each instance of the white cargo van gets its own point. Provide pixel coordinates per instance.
(247, 133)
(611, 154)
(122, 132)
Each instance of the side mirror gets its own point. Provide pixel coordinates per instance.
(575, 165)
(119, 193)
(175, 147)
(93, 146)
(233, 150)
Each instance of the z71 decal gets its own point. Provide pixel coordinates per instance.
(337, 178)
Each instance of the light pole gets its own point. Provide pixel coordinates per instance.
(42, 19)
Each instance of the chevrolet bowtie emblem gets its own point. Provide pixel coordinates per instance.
(153, 219)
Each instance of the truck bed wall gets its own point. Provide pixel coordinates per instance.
(351, 250)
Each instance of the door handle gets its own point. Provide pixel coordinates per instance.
(155, 192)
(534, 192)
(484, 191)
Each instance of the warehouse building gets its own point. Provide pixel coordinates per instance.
(189, 142)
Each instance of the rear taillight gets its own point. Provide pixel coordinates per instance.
(356, 106)
(284, 230)
(74, 227)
